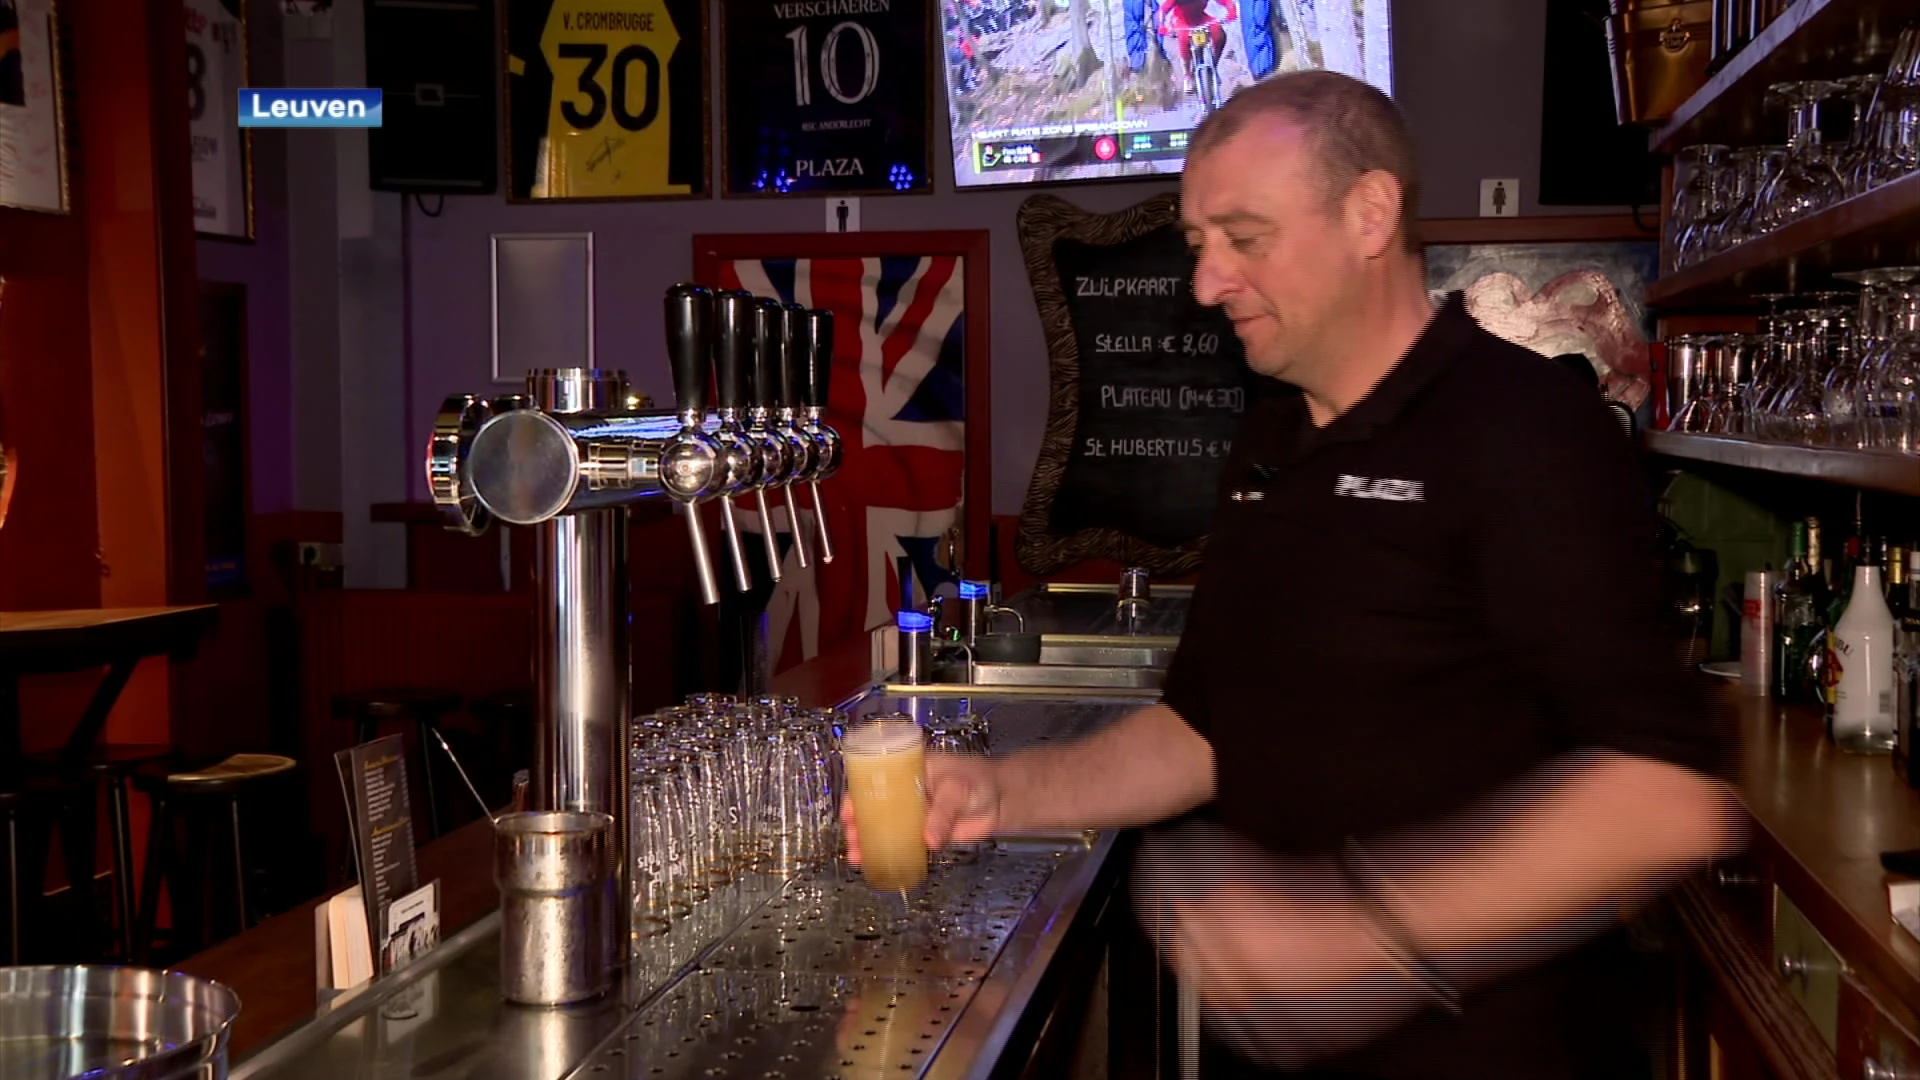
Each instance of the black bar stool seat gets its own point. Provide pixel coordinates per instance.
(217, 786)
(423, 707)
(112, 767)
(30, 807)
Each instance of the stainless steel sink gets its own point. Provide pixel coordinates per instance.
(1068, 676)
(1105, 653)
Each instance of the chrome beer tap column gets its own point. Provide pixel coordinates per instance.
(768, 354)
(736, 313)
(689, 462)
(815, 372)
(785, 420)
(580, 660)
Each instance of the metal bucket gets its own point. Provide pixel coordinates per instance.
(112, 1022)
(556, 876)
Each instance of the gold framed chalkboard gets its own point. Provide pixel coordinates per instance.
(1133, 476)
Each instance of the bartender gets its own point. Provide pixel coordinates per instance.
(1424, 702)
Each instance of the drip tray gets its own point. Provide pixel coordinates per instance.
(832, 981)
(841, 927)
(757, 1025)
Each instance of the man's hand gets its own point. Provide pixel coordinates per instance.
(963, 803)
(1288, 967)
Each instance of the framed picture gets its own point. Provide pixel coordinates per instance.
(33, 131)
(607, 101)
(1557, 286)
(826, 99)
(222, 152)
(908, 394)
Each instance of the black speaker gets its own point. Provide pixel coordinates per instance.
(433, 62)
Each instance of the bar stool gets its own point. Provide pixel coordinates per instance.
(111, 767)
(424, 707)
(217, 787)
(30, 808)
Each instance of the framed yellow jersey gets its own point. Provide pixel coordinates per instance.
(607, 99)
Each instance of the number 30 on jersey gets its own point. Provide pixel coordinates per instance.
(609, 125)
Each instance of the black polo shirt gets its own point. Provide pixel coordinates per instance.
(1414, 606)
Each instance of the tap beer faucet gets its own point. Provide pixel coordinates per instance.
(762, 388)
(569, 457)
(689, 462)
(800, 451)
(736, 312)
(815, 371)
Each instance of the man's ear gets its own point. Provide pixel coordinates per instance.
(1373, 212)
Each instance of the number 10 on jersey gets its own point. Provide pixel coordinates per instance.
(827, 96)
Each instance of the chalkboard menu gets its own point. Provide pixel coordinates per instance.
(827, 96)
(1147, 390)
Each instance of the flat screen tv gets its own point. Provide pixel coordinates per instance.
(1044, 91)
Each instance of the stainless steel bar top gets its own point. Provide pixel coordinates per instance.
(816, 977)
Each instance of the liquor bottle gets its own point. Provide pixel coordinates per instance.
(1905, 606)
(1860, 669)
(1796, 623)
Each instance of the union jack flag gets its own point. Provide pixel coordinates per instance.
(897, 397)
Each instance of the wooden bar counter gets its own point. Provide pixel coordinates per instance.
(1801, 970)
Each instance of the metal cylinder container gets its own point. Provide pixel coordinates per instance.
(556, 873)
(113, 1023)
(916, 647)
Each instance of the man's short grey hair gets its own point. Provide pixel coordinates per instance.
(1351, 129)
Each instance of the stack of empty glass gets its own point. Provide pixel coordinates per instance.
(1832, 369)
(1725, 196)
(726, 796)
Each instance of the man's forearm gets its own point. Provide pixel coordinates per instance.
(1582, 843)
(1148, 767)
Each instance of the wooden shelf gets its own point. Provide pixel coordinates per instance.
(1896, 473)
(1879, 228)
(1811, 39)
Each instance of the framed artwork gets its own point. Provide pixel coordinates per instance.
(606, 99)
(33, 132)
(222, 151)
(909, 395)
(826, 99)
(1557, 286)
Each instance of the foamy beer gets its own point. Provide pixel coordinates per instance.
(885, 760)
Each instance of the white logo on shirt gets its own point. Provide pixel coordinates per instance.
(1247, 496)
(1360, 487)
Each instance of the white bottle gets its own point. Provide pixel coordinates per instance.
(1863, 645)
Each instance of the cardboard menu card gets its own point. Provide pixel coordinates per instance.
(401, 918)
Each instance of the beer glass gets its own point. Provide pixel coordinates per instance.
(885, 763)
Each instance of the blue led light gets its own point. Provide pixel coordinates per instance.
(973, 590)
(914, 621)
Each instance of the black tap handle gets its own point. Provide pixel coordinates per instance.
(819, 365)
(734, 312)
(690, 344)
(769, 354)
(904, 568)
(799, 342)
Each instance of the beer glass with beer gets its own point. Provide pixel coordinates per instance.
(885, 761)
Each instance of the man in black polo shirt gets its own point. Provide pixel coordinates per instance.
(1424, 700)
